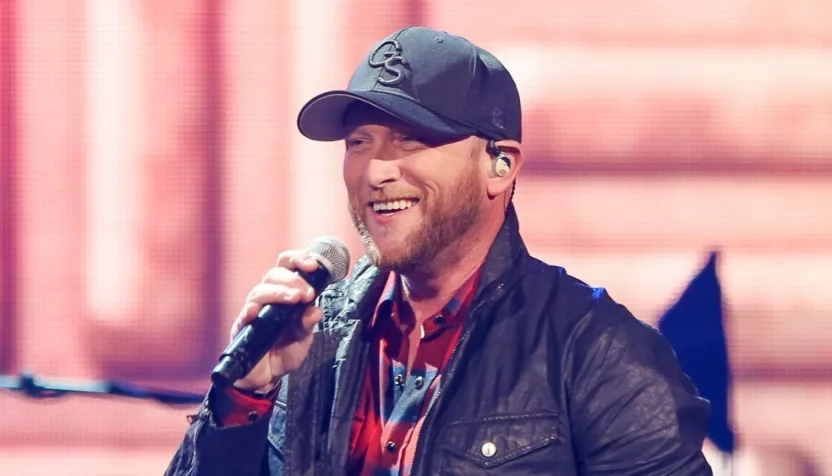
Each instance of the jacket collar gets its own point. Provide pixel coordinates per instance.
(506, 251)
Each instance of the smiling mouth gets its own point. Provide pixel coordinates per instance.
(391, 207)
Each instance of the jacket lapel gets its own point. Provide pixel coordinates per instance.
(323, 393)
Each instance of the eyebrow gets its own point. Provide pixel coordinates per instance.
(400, 129)
(356, 130)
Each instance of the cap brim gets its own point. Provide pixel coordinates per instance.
(322, 118)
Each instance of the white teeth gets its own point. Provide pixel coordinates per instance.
(393, 205)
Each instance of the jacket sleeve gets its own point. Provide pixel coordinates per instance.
(209, 450)
(633, 411)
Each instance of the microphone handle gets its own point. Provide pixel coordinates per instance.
(256, 338)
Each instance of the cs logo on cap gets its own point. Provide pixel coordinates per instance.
(389, 63)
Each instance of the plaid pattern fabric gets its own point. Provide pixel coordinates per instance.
(233, 407)
(393, 401)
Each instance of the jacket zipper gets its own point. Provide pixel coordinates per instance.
(447, 373)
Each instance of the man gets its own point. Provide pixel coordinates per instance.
(450, 350)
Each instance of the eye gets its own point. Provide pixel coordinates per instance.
(353, 142)
(411, 142)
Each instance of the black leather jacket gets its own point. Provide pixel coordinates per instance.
(558, 377)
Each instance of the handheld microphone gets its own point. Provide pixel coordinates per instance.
(255, 340)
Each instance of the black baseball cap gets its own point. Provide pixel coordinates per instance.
(437, 82)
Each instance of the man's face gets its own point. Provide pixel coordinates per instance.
(410, 197)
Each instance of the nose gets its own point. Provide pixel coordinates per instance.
(382, 169)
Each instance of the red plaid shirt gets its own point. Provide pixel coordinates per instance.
(393, 401)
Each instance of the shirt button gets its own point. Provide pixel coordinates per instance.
(391, 447)
(419, 382)
(488, 449)
(439, 320)
(398, 379)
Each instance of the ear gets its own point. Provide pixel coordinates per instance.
(498, 185)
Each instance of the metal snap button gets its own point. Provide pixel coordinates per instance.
(488, 449)
(391, 447)
(419, 382)
(398, 379)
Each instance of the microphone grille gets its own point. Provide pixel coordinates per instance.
(333, 255)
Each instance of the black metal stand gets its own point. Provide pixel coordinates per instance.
(35, 387)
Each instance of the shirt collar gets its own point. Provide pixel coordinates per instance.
(453, 312)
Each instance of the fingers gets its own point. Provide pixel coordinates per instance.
(288, 278)
(263, 294)
(279, 293)
(303, 327)
(249, 312)
(310, 318)
(282, 285)
(302, 334)
(296, 259)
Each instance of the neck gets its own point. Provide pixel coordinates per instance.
(429, 287)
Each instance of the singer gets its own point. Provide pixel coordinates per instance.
(449, 350)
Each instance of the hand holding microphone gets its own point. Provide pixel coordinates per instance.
(273, 333)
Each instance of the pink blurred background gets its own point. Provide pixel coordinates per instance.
(151, 172)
